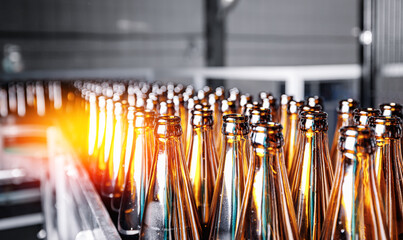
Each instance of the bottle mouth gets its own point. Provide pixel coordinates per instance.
(307, 108)
(235, 124)
(202, 117)
(267, 135)
(356, 138)
(235, 118)
(386, 127)
(313, 120)
(168, 126)
(168, 120)
(347, 105)
(293, 106)
(260, 115)
(285, 99)
(391, 109)
(362, 115)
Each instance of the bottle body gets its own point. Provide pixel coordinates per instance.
(169, 210)
(388, 167)
(267, 206)
(140, 137)
(231, 177)
(356, 209)
(313, 175)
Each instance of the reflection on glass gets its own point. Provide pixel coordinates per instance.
(202, 162)
(344, 118)
(169, 210)
(231, 177)
(389, 170)
(267, 207)
(361, 115)
(139, 150)
(313, 176)
(355, 210)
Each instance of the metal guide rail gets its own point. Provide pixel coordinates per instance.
(72, 207)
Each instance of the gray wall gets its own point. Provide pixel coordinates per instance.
(57, 34)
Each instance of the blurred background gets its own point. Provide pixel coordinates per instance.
(334, 49)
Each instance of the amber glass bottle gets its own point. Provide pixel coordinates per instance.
(355, 210)
(230, 184)
(392, 109)
(124, 159)
(291, 134)
(267, 206)
(139, 151)
(283, 111)
(389, 170)
(110, 174)
(313, 176)
(271, 102)
(105, 133)
(314, 101)
(344, 118)
(169, 209)
(202, 163)
(245, 99)
(92, 130)
(361, 115)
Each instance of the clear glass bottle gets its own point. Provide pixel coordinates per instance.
(230, 184)
(388, 167)
(267, 206)
(355, 210)
(313, 175)
(139, 156)
(169, 209)
(344, 118)
(361, 115)
(291, 134)
(202, 163)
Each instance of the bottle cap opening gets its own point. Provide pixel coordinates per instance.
(386, 127)
(347, 105)
(356, 139)
(267, 135)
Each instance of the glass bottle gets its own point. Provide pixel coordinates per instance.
(313, 176)
(267, 206)
(202, 163)
(105, 132)
(361, 115)
(344, 118)
(301, 109)
(139, 155)
(356, 210)
(115, 151)
(285, 99)
(92, 129)
(291, 134)
(169, 209)
(230, 184)
(214, 102)
(245, 99)
(392, 109)
(271, 102)
(388, 165)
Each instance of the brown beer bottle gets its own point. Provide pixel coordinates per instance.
(285, 99)
(267, 206)
(313, 176)
(169, 209)
(355, 210)
(138, 155)
(389, 170)
(230, 184)
(202, 163)
(291, 134)
(344, 118)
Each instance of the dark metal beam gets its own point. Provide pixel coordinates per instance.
(215, 38)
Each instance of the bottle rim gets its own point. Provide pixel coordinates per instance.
(347, 105)
(235, 118)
